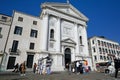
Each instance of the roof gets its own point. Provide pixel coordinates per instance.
(65, 8)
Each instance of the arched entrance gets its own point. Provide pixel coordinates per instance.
(67, 56)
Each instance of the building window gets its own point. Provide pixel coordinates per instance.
(4, 18)
(105, 44)
(80, 39)
(14, 46)
(93, 41)
(33, 33)
(103, 50)
(34, 22)
(94, 49)
(100, 50)
(95, 58)
(20, 19)
(109, 52)
(104, 57)
(98, 42)
(101, 57)
(106, 50)
(0, 30)
(52, 33)
(18, 30)
(102, 43)
(108, 58)
(32, 45)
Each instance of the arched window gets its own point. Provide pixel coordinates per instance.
(52, 33)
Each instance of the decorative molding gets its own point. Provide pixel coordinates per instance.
(55, 8)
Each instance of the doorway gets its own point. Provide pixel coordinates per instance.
(29, 61)
(11, 62)
(67, 56)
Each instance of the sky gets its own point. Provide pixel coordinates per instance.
(104, 15)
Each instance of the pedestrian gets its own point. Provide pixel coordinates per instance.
(67, 66)
(48, 65)
(22, 69)
(116, 65)
(73, 67)
(81, 69)
(34, 68)
(77, 67)
(40, 67)
(70, 68)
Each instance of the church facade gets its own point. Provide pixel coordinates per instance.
(59, 31)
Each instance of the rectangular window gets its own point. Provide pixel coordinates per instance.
(0, 30)
(98, 42)
(34, 22)
(100, 50)
(32, 45)
(20, 19)
(95, 58)
(4, 18)
(94, 49)
(101, 58)
(18, 30)
(14, 46)
(33, 33)
(93, 41)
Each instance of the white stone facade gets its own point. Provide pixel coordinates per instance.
(59, 31)
(101, 48)
(5, 22)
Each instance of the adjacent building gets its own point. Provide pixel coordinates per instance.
(5, 23)
(102, 49)
(59, 31)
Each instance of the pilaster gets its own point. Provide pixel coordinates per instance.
(44, 34)
(76, 39)
(58, 34)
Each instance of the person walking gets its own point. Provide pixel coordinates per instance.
(40, 67)
(77, 67)
(116, 65)
(34, 68)
(48, 65)
(22, 69)
(70, 68)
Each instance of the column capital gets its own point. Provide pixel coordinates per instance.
(43, 14)
(58, 18)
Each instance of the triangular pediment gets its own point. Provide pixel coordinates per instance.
(66, 8)
(68, 40)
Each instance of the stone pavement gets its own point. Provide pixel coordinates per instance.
(56, 76)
